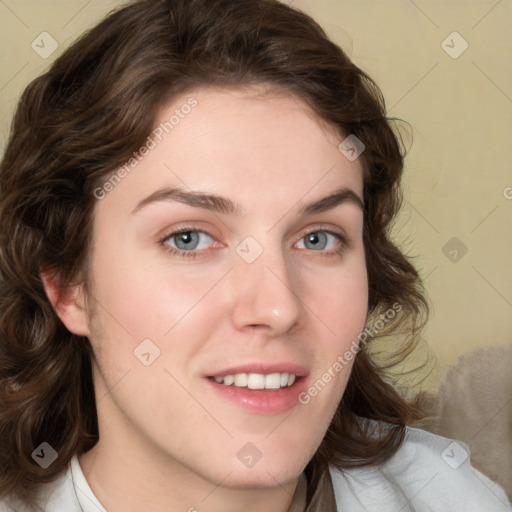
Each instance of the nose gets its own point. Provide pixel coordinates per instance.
(266, 294)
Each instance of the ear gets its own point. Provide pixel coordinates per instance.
(68, 303)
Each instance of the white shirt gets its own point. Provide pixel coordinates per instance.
(428, 473)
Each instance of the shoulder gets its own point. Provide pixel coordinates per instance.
(54, 496)
(428, 473)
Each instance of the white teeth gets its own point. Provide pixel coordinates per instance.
(241, 380)
(228, 380)
(258, 380)
(273, 381)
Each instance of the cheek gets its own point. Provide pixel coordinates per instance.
(341, 299)
(147, 298)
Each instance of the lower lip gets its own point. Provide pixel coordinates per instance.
(262, 401)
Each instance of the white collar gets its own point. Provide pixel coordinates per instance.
(86, 498)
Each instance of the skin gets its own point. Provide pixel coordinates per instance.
(167, 440)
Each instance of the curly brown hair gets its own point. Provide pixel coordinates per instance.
(81, 120)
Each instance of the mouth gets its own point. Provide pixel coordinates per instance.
(271, 381)
(260, 388)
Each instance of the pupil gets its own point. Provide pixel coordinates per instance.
(186, 240)
(317, 240)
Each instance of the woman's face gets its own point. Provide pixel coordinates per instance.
(266, 280)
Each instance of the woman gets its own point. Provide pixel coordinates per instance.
(196, 202)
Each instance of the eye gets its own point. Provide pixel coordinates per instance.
(321, 241)
(188, 240)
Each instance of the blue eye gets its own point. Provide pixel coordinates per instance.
(189, 240)
(320, 241)
(190, 243)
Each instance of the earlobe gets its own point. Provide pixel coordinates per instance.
(68, 303)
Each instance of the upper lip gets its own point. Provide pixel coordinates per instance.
(264, 368)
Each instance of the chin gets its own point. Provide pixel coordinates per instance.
(262, 480)
(263, 475)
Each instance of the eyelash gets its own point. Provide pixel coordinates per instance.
(195, 253)
(178, 252)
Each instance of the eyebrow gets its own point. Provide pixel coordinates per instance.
(340, 196)
(219, 204)
(210, 202)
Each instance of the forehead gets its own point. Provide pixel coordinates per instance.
(250, 144)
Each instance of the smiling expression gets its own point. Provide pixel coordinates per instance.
(227, 273)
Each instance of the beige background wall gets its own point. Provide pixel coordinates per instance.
(459, 171)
